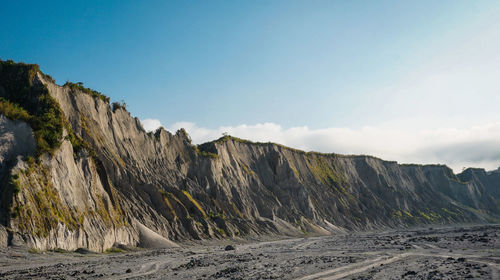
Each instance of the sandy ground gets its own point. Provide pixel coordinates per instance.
(462, 252)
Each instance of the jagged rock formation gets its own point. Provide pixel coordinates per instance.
(106, 180)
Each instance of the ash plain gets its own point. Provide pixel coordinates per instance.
(451, 252)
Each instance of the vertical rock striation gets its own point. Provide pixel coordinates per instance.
(108, 181)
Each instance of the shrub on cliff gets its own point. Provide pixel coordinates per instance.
(25, 99)
(118, 105)
(79, 86)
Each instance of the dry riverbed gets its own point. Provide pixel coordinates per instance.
(462, 252)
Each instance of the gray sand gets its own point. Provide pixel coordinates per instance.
(468, 252)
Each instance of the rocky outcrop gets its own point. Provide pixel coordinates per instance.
(116, 183)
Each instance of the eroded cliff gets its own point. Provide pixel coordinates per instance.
(105, 180)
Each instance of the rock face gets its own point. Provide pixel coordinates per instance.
(123, 182)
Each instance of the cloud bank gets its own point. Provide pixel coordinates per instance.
(416, 114)
(476, 146)
(151, 124)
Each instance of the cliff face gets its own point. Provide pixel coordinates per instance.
(108, 181)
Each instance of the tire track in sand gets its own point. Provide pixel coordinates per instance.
(344, 271)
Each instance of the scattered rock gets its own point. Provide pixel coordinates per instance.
(410, 272)
(83, 251)
(229, 248)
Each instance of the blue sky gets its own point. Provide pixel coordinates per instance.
(250, 67)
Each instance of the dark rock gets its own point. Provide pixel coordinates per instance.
(410, 272)
(229, 248)
(83, 251)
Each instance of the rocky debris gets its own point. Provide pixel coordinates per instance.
(229, 248)
(228, 273)
(351, 255)
(409, 273)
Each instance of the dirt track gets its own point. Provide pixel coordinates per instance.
(442, 253)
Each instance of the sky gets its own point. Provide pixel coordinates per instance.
(412, 81)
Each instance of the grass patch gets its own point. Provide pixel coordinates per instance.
(166, 197)
(32, 250)
(397, 214)
(221, 231)
(113, 250)
(247, 170)
(79, 86)
(195, 203)
(326, 173)
(215, 216)
(201, 151)
(430, 216)
(13, 111)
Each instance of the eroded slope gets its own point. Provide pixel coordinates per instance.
(105, 178)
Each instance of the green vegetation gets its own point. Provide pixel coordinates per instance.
(29, 160)
(325, 172)
(32, 250)
(397, 214)
(166, 197)
(16, 211)
(455, 179)
(14, 183)
(215, 216)
(221, 231)
(25, 99)
(13, 111)
(203, 151)
(113, 250)
(430, 216)
(235, 209)
(79, 86)
(195, 203)
(408, 214)
(401, 214)
(198, 224)
(119, 105)
(76, 141)
(44, 209)
(226, 138)
(247, 170)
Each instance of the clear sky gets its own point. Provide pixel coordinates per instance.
(414, 81)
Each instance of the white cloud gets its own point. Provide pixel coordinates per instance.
(151, 124)
(442, 109)
(477, 146)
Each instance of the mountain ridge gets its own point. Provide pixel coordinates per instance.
(108, 179)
